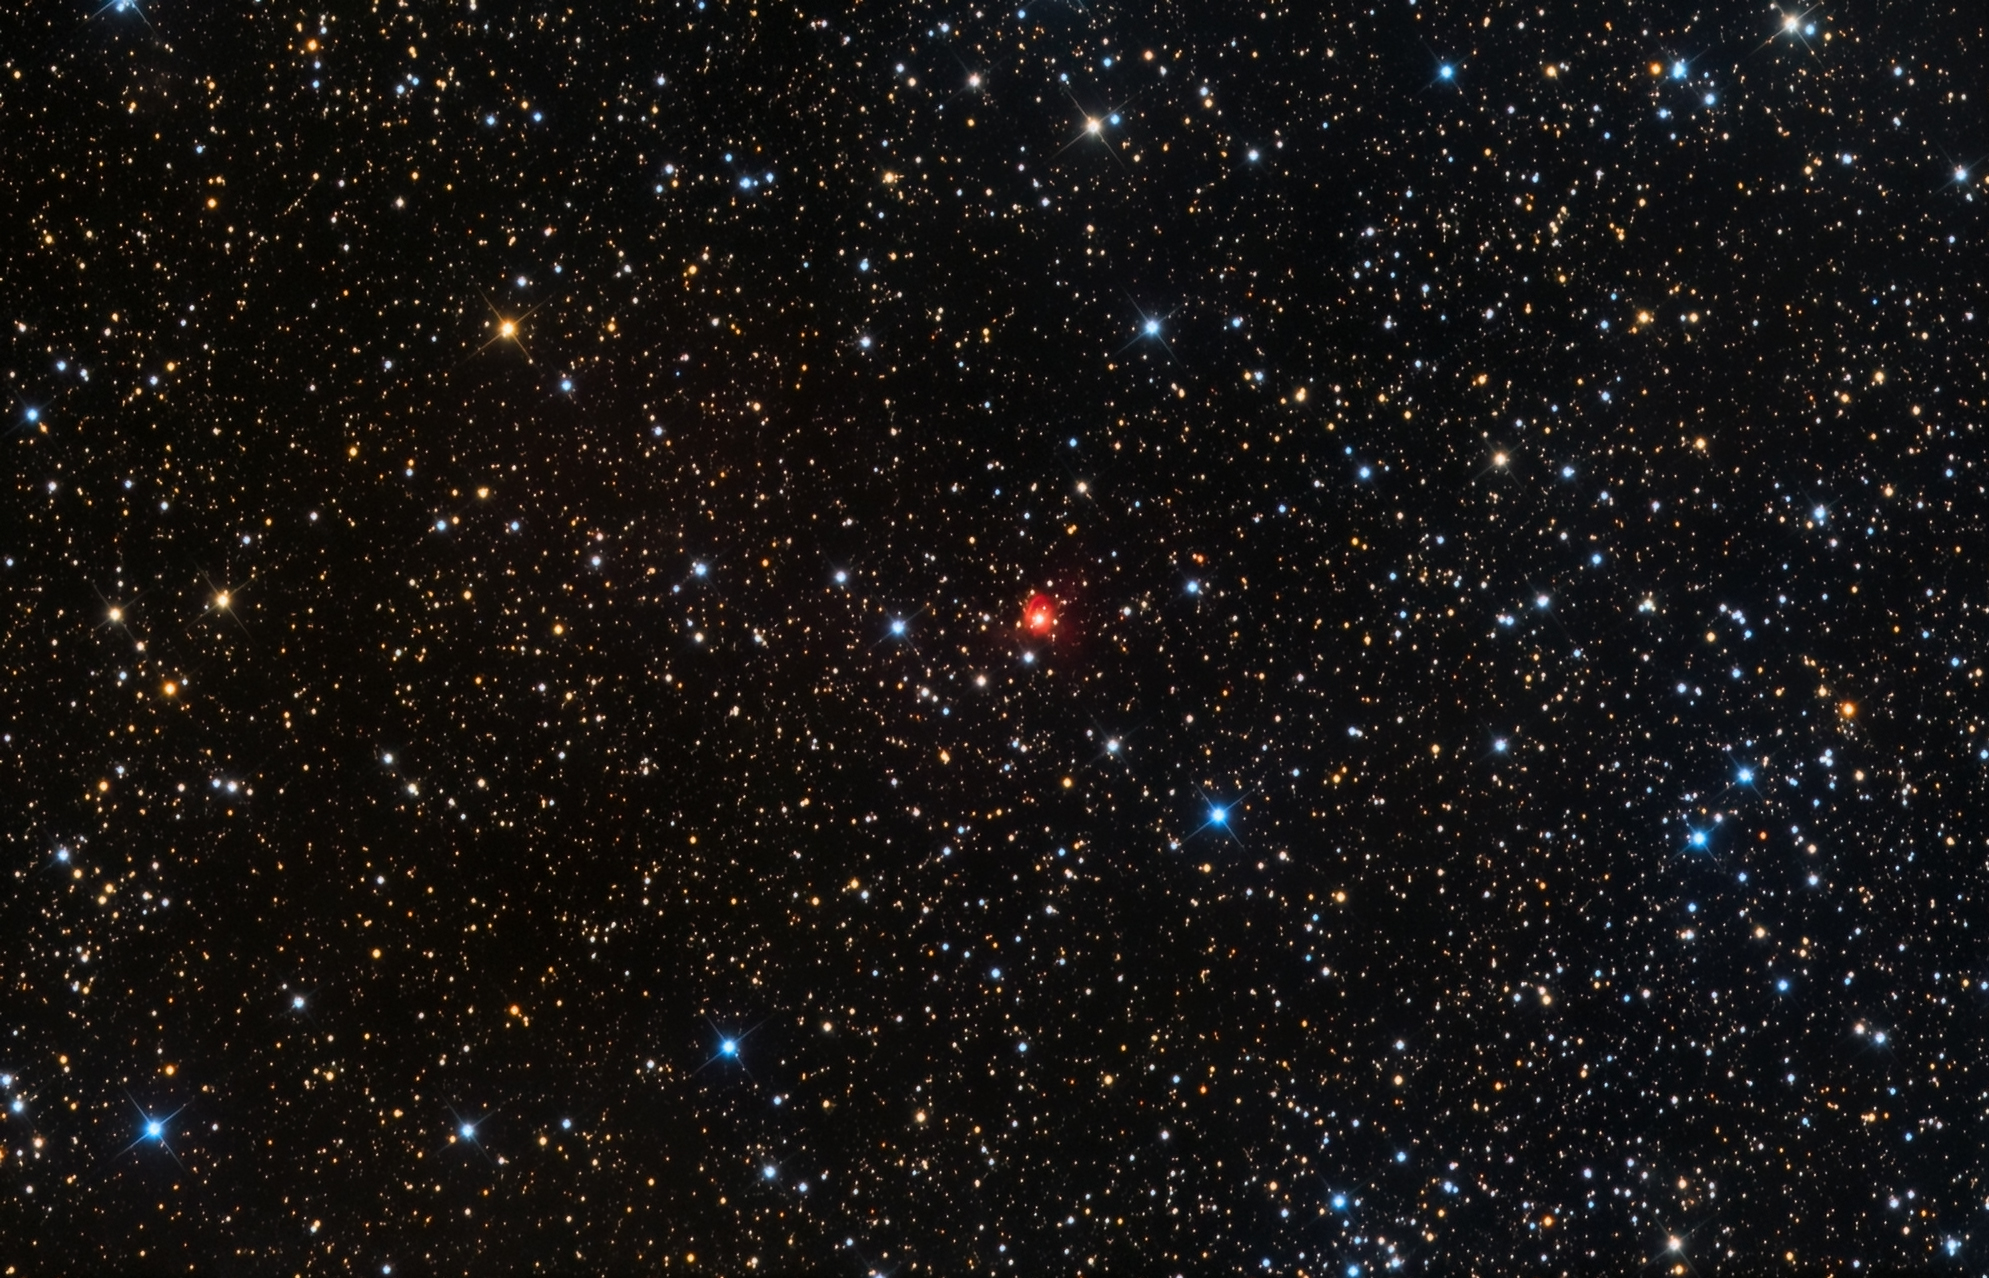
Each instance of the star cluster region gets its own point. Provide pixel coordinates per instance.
(1039, 640)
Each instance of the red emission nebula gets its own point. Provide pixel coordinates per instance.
(1039, 615)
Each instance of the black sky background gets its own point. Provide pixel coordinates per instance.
(1500, 791)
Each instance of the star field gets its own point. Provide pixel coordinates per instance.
(1045, 640)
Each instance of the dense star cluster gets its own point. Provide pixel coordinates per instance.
(682, 636)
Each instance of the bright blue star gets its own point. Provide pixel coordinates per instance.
(1446, 72)
(1746, 776)
(1698, 839)
(897, 626)
(125, 6)
(1217, 816)
(729, 1047)
(149, 1128)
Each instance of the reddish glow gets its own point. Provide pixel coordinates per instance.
(1039, 614)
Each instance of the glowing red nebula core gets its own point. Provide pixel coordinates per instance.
(1039, 614)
